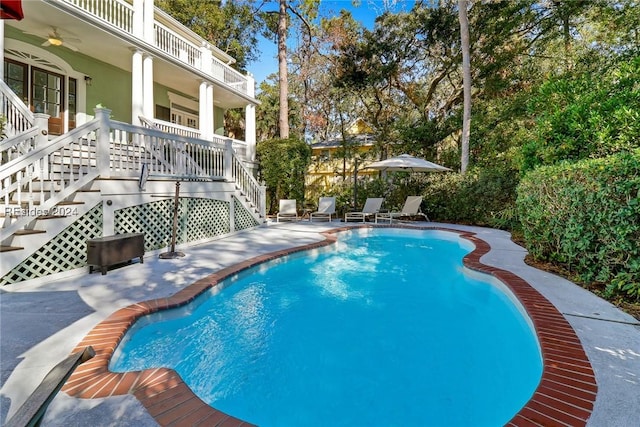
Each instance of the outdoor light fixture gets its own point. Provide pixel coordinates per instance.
(88, 80)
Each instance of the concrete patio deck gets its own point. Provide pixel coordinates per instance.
(40, 324)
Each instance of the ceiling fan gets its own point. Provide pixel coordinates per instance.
(53, 38)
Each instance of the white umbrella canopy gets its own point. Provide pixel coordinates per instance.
(406, 163)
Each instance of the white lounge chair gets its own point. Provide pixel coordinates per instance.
(411, 208)
(326, 208)
(288, 210)
(371, 207)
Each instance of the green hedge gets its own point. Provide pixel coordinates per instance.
(482, 196)
(586, 215)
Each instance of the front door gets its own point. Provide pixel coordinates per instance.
(47, 96)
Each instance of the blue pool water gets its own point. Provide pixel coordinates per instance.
(384, 328)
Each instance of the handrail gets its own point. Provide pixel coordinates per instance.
(17, 177)
(169, 41)
(14, 110)
(248, 185)
(107, 148)
(33, 409)
(21, 144)
(116, 12)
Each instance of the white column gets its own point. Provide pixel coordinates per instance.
(136, 88)
(138, 18)
(203, 111)
(102, 142)
(205, 53)
(210, 112)
(250, 121)
(250, 131)
(147, 79)
(148, 21)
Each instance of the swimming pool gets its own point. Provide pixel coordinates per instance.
(416, 340)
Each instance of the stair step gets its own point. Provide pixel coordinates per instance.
(70, 202)
(28, 232)
(51, 216)
(4, 248)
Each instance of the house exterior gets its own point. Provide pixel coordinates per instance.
(329, 164)
(107, 104)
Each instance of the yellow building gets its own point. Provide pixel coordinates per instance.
(336, 160)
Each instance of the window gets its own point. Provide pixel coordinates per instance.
(184, 116)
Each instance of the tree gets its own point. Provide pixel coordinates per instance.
(283, 118)
(230, 25)
(466, 79)
(305, 11)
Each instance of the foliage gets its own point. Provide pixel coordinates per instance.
(283, 164)
(267, 111)
(482, 196)
(586, 215)
(229, 25)
(585, 115)
(3, 125)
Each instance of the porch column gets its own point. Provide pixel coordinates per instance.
(203, 111)
(147, 71)
(210, 112)
(148, 21)
(250, 122)
(138, 18)
(136, 87)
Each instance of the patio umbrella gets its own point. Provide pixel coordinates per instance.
(406, 163)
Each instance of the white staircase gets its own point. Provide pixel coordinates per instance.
(47, 185)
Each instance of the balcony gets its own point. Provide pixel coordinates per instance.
(169, 36)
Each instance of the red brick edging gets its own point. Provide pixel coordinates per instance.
(564, 396)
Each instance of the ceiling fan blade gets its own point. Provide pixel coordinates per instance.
(46, 43)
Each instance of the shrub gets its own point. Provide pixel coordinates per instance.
(283, 163)
(482, 196)
(587, 216)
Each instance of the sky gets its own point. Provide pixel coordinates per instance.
(365, 12)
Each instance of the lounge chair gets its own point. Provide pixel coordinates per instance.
(326, 208)
(288, 210)
(371, 207)
(411, 208)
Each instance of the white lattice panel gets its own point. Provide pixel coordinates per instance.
(153, 219)
(243, 218)
(66, 251)
(198, 219)
(206, 218)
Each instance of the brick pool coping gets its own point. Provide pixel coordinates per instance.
(564, 397)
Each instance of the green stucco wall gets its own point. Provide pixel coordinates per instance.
(110, 85)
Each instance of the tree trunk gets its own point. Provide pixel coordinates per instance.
(466, 81)
(283, 120)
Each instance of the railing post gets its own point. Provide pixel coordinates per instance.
(41, 121)
(228, 160)
(102, 142)
(263, 201)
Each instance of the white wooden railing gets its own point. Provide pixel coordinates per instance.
(116, 12)
(170, 127)
(36, 182)
(120, 14)
(18, 145)
(176, 46)
(18, 118)
(26, 187)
